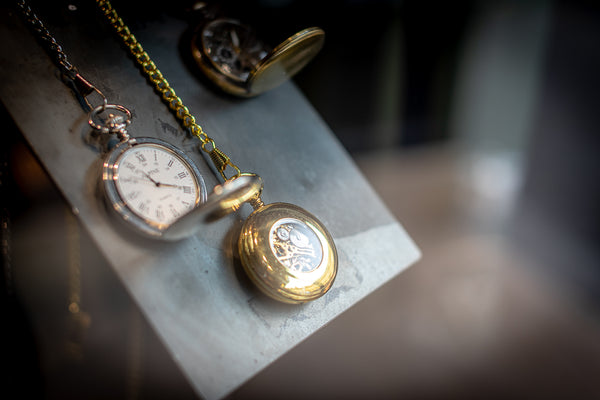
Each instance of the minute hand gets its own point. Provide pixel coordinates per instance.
(159, 184)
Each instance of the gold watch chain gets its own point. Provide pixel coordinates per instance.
(220, 159)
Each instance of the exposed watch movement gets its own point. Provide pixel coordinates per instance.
(231, 55)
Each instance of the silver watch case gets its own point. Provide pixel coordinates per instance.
(120, 207)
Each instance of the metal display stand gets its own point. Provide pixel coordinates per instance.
(217, 326)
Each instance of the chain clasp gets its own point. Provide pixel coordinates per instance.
(113, 123)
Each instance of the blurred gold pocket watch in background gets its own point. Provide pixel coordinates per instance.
(231, 55)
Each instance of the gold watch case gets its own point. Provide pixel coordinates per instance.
(232, 57)
(288, 253)
(285, 250)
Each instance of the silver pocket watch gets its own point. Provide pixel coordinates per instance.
(147, 182)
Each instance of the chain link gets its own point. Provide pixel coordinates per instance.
(60, 57)
(71, 76)
(167, 93)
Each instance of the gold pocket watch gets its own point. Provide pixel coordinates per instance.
(148, 182)
(285, 250)
(230, 54)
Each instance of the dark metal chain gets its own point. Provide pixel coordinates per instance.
(48, 40)
(70, 75)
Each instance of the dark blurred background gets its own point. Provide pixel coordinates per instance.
(477, 123)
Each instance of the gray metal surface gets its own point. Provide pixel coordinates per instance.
(217, 326)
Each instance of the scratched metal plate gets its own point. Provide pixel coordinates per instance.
(219, 329)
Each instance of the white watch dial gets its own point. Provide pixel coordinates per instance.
(155, 183)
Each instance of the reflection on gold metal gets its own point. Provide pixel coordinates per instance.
(286, 60)
(232, 57)
(288, 253)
